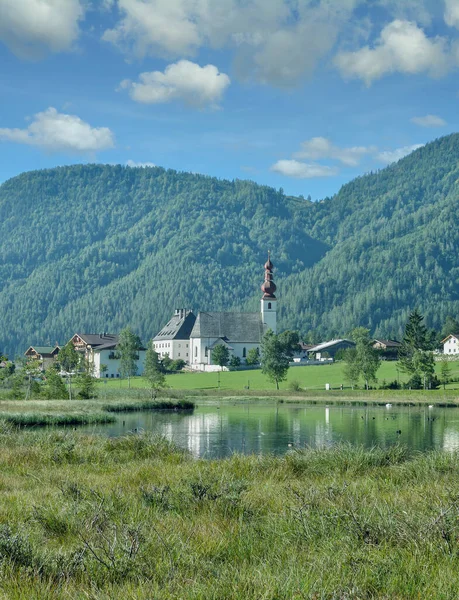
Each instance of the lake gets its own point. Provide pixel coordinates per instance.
(216, 431)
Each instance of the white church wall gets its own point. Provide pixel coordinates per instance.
(201, 354)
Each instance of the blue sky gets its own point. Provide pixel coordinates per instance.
(299, 94)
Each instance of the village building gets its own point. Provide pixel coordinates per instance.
(100, 349)
(45, 355)
(451, 344)
(174, 338)
(193, 337)
(389, 348)
(328, 350)
(301, 354)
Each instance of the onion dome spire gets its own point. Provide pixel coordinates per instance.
(269, 287)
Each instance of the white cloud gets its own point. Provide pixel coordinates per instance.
(156, 26)
(133, 164)
(391, 156)
(452, 13)
(301, 170)
(55, 132)
(31, 27)
(184, 80)
(402, 47)
(320, 148)
(429, 121)
(276, 41)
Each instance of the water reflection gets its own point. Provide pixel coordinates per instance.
(211, 431)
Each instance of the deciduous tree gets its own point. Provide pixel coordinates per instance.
(153, 371)
(275, 357)
(128, 346)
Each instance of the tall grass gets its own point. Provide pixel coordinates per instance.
(136, 517)
(182, 404)
(40, 419)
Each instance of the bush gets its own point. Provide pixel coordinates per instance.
(235, 362)
(294, 386)
(392, 385)
(177, 365)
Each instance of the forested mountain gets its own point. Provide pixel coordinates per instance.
(93, 248)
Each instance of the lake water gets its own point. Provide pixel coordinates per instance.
(213, 431)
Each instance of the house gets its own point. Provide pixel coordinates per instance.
(45, 355)
(388, 348)
(451, 344)
(195, 336)
(302, 352)
(101, 350)
(329, 349)
(174, 338)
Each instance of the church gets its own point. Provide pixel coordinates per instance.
(192, 337)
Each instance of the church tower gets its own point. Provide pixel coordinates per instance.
(269, 301)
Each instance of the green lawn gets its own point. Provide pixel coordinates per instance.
(313, 377)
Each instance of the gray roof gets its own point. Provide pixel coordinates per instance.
(330, 344)
(178, 328)
(101, 341)
(98, 339)
(232, 326)
(388, 343)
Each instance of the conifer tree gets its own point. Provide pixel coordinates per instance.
(414, 339)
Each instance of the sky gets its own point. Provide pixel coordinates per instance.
(303, 95)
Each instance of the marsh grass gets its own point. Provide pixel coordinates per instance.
(136, 517)
(42, 419)
(41, 413)
(181, 404)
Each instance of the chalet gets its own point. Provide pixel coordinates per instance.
(389, 348)
(174, 338)
(193, 337)
(101, 350)
(329, 349)
(45, 355)
(451, 344)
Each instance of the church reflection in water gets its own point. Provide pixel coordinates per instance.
(212, 431)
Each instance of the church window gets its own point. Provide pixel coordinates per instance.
(195, 350)
(243, 353)
(269, 305)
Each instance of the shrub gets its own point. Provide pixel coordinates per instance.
(294, 386)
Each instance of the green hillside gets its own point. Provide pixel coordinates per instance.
(93, 248)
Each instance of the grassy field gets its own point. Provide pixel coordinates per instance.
(313, 377)
(135, 517)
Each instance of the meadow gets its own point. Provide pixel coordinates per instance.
(136, 517)
(308, 378)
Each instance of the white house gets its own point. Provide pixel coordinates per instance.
(451, 344)
(101, 350)
(193, 338)
(174, 338)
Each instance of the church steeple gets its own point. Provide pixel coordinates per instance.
(269, 287)
(269, 301)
